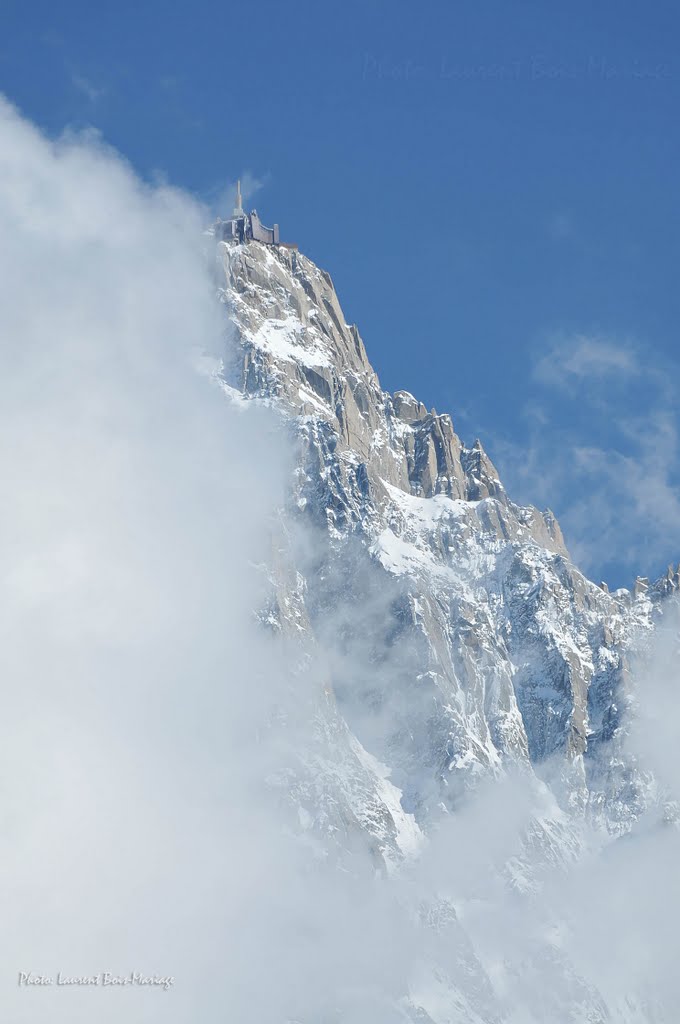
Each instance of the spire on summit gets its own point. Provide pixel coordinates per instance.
(238, 209)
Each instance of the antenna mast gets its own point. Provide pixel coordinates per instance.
(238, 209)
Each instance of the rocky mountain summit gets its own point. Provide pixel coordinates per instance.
(457, 639)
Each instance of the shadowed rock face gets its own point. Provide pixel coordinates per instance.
(457, 637)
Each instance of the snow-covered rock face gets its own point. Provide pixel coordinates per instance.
(456, 639)
(489, 645)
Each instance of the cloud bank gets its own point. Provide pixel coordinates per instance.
(135, 831)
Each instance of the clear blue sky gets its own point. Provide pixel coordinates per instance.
(493, 186)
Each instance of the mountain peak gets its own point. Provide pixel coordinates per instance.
(299, 350)
(431, 513)
(460, 640)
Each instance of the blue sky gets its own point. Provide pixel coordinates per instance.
(493, 187)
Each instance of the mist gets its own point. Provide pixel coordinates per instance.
(137, 833)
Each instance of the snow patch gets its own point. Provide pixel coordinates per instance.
(290, 341)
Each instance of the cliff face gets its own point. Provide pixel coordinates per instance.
(499, 648)
(457, 637)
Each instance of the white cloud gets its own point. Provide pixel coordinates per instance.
(92, 92)
(580, 358)
(136, 502)
(627, 506)
(602, 451)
